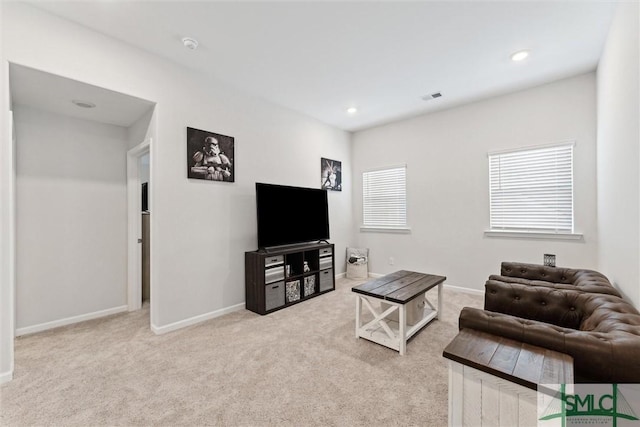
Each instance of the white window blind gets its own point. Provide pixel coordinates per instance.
(384, 198)
(531, 190)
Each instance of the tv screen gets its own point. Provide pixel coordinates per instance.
(288, 215)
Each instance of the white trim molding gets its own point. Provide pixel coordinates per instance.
(464, 290)
(377, 229)
(8, 229)
(534, 235)
(562, 143)
(70, 320)
(159, 330)
(5, 377)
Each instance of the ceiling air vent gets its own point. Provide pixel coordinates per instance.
(432, 96)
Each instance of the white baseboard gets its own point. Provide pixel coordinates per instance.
(70, 320)
(5, 377)
(464, 290)
(340, 275)
(159, 330)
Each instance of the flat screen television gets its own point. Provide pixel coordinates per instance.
(288, 215)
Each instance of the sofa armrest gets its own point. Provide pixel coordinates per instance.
(594, 282)
(597, 357)
(515, 328)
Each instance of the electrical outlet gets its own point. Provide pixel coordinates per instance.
(550, 260)
(391, 260)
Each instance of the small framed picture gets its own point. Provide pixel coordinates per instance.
(331, 174)
(210, 156)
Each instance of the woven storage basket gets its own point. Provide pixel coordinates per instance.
(360, 268)
(358, 271)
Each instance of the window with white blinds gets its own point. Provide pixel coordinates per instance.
(531, 190)
(384, 198)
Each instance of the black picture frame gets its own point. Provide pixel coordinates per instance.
(330, 174)
(210, 156)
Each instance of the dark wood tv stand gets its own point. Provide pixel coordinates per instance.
(280, 277)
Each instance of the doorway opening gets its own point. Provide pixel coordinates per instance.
(139, 220)
(70, 163)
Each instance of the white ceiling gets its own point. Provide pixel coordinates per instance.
(53, 93)
(321, 57)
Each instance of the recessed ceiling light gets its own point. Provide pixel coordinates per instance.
(352, 110)
(190, 43)
(520, 55)
(84, 104)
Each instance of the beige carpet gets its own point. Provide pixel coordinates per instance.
(300, 366)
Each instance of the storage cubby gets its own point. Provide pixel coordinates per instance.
(276, 279)
(311, 257)
(294, 264)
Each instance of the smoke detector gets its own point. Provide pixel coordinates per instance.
(190, 43)
(432, 96)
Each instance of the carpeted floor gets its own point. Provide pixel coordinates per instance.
(300, 366)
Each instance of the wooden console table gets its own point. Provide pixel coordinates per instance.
(396, 290)
(493, 381)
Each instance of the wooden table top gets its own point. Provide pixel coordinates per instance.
(400, 287)
(520, 363)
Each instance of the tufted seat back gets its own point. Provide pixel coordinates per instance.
(555, 277)
(566, 308)
(548, 305)
(537, 272)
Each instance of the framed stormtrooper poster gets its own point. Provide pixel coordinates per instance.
(210, 156)
(330, 174)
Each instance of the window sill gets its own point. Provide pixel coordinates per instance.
(534, 235)
(372, 229)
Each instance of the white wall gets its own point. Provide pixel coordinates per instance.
(447, 181)
(71, 217)
(200, 229)
(619, 153)
(142, 129)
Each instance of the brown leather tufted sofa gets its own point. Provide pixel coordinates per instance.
(581, 315)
